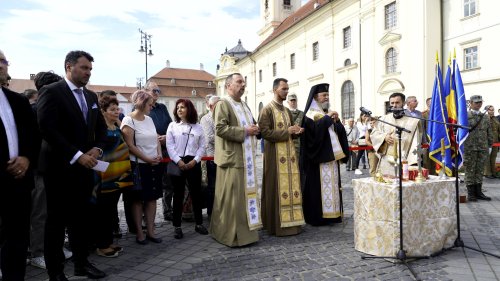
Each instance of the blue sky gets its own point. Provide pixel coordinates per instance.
(37, 34)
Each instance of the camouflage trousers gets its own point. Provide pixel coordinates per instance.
(490, 163)
(474, 166)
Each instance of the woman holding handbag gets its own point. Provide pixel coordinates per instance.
(186, 145)
(140, 135)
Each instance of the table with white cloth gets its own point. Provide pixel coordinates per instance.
(429, 216)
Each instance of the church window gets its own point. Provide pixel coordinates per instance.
(347, 37)
(470, 57)
(292, 61)
(315, 51)
(347, 62)
(275, 69)
(347, 100)
(469, 8)
(391, 18)
(260, 75)
(391, 61)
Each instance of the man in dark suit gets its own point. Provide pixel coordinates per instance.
(74, 132)
(19, 144)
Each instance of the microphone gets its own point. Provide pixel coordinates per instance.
(365, 111)
(396, 110)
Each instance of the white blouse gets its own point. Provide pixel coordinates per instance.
(180, 133)
(145, 136)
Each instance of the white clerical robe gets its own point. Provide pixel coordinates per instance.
(387, 152)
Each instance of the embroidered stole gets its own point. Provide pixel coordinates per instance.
(289, 194)
(244, 117)
(329, 173)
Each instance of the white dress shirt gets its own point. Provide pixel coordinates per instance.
(7, 117)
(180, 133)
(72, 87)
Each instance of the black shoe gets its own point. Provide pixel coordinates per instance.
(479, 193)
(178, 233)
(141, 242)
(168, 217)
(153, 239)
(348, 169)
(489, 177)
(201, 229)
(90, 271)
(471, 193)
(364, 167)
(59, 277)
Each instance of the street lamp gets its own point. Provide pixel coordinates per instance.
(145, 39)
(139, 83)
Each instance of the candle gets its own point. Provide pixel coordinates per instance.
(442, 147)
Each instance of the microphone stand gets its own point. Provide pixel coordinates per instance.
(401, 254)
(458, 242)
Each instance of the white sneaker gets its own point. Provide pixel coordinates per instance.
(38, 262)
(358, 172)
(67, 253)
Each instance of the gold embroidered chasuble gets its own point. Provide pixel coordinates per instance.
(289, 194)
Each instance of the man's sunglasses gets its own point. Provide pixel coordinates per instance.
(157, 91)
(4, 61)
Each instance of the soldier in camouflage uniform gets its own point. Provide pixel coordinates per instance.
(297, 116)
(476, 146)
(489, 166)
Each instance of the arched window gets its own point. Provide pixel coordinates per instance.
(347, 62)
(347, 100)
(391, 61)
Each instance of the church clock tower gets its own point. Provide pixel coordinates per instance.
(273, 12)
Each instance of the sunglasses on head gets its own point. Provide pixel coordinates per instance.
(156, 91)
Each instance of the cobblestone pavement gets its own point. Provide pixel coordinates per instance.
(319, 253)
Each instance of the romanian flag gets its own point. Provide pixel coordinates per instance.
(451, 105)
(459, 114)
(437, 132)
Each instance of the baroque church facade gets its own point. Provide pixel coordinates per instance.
(365, 50)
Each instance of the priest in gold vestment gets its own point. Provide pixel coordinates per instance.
(385, 139)
(281, 196)
(236, 214)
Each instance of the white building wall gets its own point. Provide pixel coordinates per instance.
(416, 38)
(481, 30)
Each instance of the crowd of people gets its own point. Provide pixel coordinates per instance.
(53, 165)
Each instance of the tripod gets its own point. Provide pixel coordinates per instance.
(458, 242)
(401, 254)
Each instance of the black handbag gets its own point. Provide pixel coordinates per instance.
(172, 168)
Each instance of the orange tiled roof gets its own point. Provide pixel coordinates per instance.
(119, 89)
(185, 74)
(19, 85)
(293, 19)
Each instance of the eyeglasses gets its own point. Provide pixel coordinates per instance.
(4, 61)
(157, 91)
